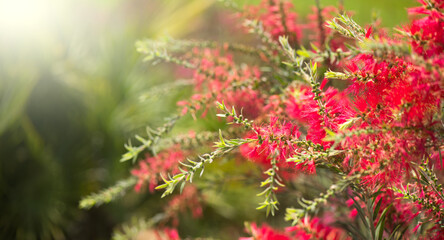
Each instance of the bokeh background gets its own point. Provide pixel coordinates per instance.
(73, 90)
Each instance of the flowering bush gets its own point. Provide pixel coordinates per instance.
(362, 108)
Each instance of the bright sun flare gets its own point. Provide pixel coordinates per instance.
(23, 16)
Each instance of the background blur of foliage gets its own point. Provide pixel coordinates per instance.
(73, 90)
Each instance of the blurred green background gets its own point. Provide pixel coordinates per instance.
(73, 90)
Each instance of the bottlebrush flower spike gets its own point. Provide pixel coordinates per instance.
(273, 138)
(217, 78)
(277, 19)
(188, 200)
(264, 233)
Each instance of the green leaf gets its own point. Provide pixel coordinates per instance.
(161, 186)
(315, 68)
(378, 205)
(182, 186)
(381, 223)
(261, 207)
(361, 213)
(221, 138)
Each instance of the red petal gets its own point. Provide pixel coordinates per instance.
(369, 31)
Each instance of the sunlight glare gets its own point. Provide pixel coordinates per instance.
(18, 17)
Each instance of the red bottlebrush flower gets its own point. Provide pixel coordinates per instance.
(319, 33)
(151, 168)
(274, 140)
(277, 19)
(398, 86)
(302, 106)
(249, 151)
(172, 234)
(428, 32)
(298, 99)
(314, 229)
(216, 79)
(264, 233)
(163, 234)
(187, 200)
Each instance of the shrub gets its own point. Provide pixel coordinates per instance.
(323, 106)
